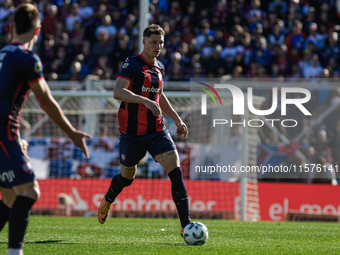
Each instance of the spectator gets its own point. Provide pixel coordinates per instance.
(129, 26)
(7, 8)
(309, 19)
(237, 72)
(6, 25)
(95, 21)
(89, 60)
(315, 37)
(314, 70)
(74, 71)
(207, 48)
(176, 73)
(104, 46)
(121, 52)
(72, 17)
(229, 52)
(63, 64)
(305, 61)
(48, 51)
(332, 49)
(85, 10)
(296, 38)
(85, 69)
(117, 18)
(279, 6)
(107, 26)
(77, 36)
(104, 69)
(277, 37)
(202, 34)
(48, 25)
(215, 61)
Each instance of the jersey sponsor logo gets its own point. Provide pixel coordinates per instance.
(125, 65)
(27, 167)
(152, 89)
(9, 176)
(146, 73)
(123, 157)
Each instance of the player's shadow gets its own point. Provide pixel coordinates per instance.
(44, 242)
(172, 244)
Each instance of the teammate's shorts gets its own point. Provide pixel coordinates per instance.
(15, 168)
(133, 148)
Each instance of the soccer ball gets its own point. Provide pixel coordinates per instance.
(195, 233)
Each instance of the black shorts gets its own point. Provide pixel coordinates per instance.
(133, 148)
(15, 168)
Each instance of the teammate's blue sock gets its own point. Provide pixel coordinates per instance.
(180, 195)
(4, 212)
(18, 220)
(118, 183)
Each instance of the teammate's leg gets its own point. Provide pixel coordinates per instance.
(118, 183)
(8, 198)
(27, 195)
(171, 164)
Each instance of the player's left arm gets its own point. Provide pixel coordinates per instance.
(167, 108)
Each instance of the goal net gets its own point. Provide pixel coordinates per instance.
(74, 185)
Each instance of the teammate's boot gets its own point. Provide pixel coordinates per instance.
(181, 231)
(104, 210)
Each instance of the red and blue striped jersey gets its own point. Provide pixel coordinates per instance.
(146, 80)
(18, 68)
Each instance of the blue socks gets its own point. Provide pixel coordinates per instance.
(4, 213)
(18, 220)
(180, 195)
(118, 183)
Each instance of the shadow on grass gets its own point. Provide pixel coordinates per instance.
(172, 244)
(45, 242)
(38, 242)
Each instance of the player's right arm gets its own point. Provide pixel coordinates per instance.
(43, 94)
(121, 92)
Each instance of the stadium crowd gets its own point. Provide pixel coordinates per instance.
(294, 38)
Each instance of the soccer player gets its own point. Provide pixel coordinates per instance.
(20, 73)
(141, 124)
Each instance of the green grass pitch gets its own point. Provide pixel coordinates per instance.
(76, 235)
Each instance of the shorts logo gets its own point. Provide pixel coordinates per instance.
(125, 65)
(123, 157)
(27, 167)
(9, 176)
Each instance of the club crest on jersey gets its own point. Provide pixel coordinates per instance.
(123, 157)
(27, 167)
(37, 67)
(125, 65)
